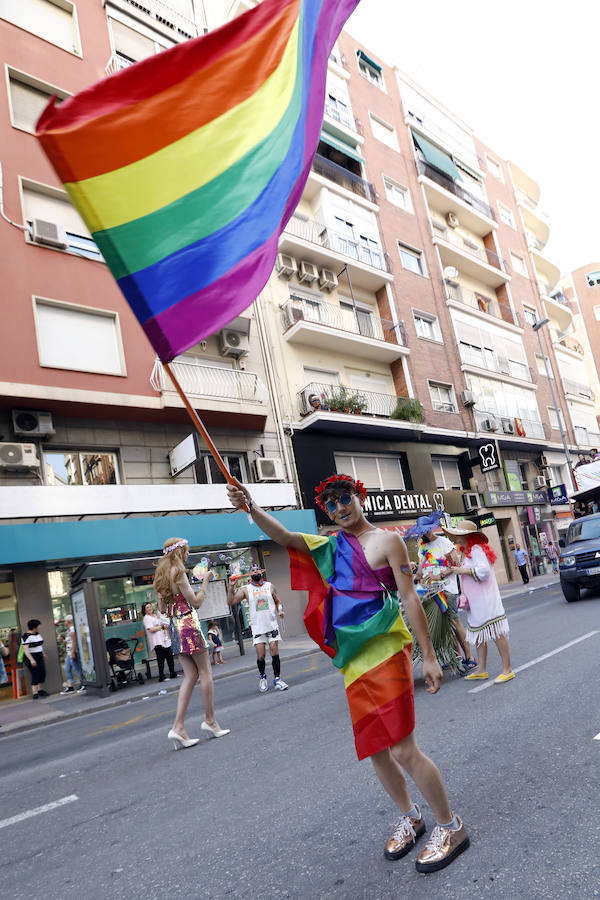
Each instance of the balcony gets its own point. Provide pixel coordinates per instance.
(482, 304)
(525, 185)
(578, 390)
(335, 407)
(586, 438)
(218, 392)
(116, 63)
(496, 423)
(490, 363)
(560, 315)
(355, 332)
(443, 137)
(468, 257)
(369, 266)
(545, 267)
(343, 116)
(446, 196)
(344, 178)
(163, 15)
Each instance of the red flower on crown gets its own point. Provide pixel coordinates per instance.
(358, 487)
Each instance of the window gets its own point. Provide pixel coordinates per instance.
(554, 475)
(52, 20)
(369, 251)
(397, 194)
(321, 376)
(442, 396)
(494, 168)
(310, 306)
(524, 475)
(78, 338)
(207, 471)
(541, 366)
(412, 259)
(129, 44)
(447, 474)
(339, 111)
(361, 317)
(506, 215)
(530, 315)
(427, 326)
(597, 313)
(28, 97)
(518, 264)
(52, 205)
(80, 467)
(383, 132)
(369, 69)
(380, 473)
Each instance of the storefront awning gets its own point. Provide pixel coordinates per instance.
(437, 158)
(341, 146)
(367, 59)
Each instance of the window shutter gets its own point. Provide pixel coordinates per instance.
(131, 43)
(27, 104)
(391, 474)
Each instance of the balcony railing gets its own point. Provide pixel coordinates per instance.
(493, 362)
(339, 398)
(343, 116)
(570, 344)
(483, 303)
(212, 383)
(450, 185)
(351, 321)
(116, 63)
(166, 15)
(467, 246)
(495, 422)
(343, 177)
(469, 155)
(316, 233)
(578, 389)
(586, 438)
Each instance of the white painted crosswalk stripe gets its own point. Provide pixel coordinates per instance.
(28, 814)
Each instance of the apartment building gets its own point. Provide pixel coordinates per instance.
(97, 466)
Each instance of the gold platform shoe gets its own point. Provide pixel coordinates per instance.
(404, 836)
(444, 845)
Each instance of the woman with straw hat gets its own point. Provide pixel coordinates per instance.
(486, 618)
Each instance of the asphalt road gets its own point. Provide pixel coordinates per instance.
(282, 809)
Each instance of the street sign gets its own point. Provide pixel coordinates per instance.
(183, 455)
(488, 457)
(557, 495)
(514, 498)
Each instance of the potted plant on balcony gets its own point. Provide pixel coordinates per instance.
(358, 404)
(339, 399)
(409, 409)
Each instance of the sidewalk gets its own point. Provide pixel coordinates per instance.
(23, 715)
(538, 581)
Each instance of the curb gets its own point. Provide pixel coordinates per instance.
(525, 589)
(18, 727)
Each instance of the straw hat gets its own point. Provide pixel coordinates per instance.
(463, 529)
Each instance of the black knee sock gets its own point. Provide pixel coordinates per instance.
(276, 665)
(261, 666)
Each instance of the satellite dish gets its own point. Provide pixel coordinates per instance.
(450, 273)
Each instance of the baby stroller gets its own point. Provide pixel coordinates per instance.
(122, 663)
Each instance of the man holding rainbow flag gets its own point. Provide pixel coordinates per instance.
(353, 580)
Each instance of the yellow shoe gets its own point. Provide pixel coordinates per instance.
(476, 676)
(502, 678)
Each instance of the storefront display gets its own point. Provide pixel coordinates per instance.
(82, 631)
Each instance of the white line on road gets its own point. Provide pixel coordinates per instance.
(597, 738)
(533, 662)
(38, 810)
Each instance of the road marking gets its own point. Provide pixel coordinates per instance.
(310, 668)
(597, 738)
(4, 823)
(533, 662)
(143, 716)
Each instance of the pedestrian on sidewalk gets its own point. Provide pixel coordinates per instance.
(35, 658)
(72, 661)
(521, 559)
(486, 618)
(216, 642)
(158, 641)
(181, 604)
(353, 615)
(552, 555)
(265, 606)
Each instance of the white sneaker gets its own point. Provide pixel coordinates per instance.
(263, 684)
(279, 685)
(81, 689)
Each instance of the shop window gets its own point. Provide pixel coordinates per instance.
(80, 467)
(9, 630)
(207, 471)
(382, 473)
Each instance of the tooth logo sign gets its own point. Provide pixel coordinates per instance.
(487, 454)
(438, 499)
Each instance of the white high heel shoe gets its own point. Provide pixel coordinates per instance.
(181, 742)
(215, 732)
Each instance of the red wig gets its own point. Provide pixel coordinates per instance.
(478, 540)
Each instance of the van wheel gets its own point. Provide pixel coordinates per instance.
(571, 592)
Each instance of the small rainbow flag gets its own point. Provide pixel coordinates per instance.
(186, 166)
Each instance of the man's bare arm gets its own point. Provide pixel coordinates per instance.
(239, 495)
(234, 597)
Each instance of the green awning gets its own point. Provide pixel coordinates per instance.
(338, 144)
(437, 158)
(368, 60)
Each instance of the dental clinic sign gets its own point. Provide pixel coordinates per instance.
(382, 505)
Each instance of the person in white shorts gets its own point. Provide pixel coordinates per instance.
(264, 606)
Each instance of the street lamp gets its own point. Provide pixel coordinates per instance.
(537, 325)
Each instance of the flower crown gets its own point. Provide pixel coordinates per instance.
(182, 543)
(358, 487)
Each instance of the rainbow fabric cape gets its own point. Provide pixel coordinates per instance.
(186, 166)
(360, 627)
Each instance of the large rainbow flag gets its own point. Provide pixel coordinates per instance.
(186, 166)
(359, 625)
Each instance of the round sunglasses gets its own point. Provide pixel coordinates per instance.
(344, 499)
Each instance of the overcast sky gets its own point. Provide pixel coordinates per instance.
(525, 75)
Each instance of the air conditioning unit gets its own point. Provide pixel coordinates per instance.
(286, 265)
(508, 426)
(544, 464)
(471, 501)
(26, 421)
(467, 398)
(328, 279)
(48, 233)
(233, 343)
(18, 456)
(308, 272)
(539, 482)
(452, 220)
(489, 424)
(268, 468)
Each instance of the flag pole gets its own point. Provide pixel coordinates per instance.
(200, 427)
